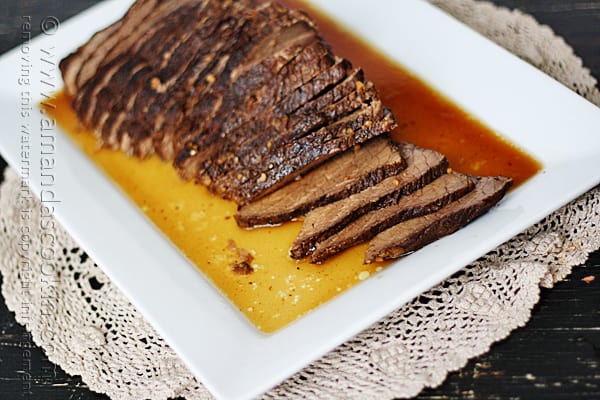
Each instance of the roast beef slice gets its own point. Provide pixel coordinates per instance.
(426, 200)
(413, 234)
(350, 172)
(423, 166)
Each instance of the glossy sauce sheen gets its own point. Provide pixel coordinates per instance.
(279, 289)
(202, 226)
(425, 117)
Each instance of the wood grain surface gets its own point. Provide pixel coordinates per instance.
(555, 356)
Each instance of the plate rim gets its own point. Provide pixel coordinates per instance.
(158, 314)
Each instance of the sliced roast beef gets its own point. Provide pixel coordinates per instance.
(423, 166)
(298, 33)
(424, 201)
(80, 65)
(128, 44)
(170, 58)
(150, 102)
(281, 116)
(278, 129)
(280, 165)
(243, 96)
(211, 138)
(348, 173)
(72, 64)
(218, 139)
(413, 234)
(112, 98)
(293, 33)
(173, 112)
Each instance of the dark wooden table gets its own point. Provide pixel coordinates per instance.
(556, 356)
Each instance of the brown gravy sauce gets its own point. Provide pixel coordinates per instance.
(425, 117)
(252, 268)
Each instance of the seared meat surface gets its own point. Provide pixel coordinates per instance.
(348, 173)
(245, 97)
(415, 233)
(242, 96)
(423, 166)
(426, 200)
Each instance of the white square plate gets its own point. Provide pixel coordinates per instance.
(544, 118)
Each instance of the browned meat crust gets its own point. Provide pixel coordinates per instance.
(423, 166)
(426, 200)
(242, 96)
(415, 233)
(349, 173)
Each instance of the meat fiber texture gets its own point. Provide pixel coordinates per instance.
(430, 198)
(348, 173)
(240, 96)
(413, 234)
(421, 203)
(423, 166)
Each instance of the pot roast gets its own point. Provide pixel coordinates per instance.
(246, 98)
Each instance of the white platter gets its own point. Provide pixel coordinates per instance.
(556, 126)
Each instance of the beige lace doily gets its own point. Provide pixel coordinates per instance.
(89, 328)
